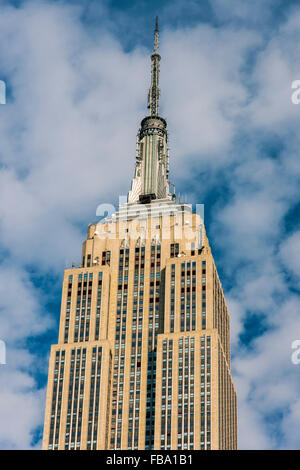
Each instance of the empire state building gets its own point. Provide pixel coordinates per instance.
(143, 354)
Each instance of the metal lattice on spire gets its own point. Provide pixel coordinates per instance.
(153, 95)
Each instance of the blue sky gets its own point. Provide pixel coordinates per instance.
(77, 76)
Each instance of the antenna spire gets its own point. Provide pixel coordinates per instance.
(153, 95)
(156, 36)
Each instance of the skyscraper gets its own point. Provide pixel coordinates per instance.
(143, 355)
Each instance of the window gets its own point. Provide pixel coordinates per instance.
(174, 250)
(105, 258)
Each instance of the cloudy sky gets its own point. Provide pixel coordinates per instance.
(77, 73)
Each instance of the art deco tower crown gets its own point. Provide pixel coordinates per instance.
(152, 154)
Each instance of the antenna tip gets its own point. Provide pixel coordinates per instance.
(156, 24)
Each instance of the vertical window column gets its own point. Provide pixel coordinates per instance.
(83, 307)
(56, 399)
(203, 319)
(186, 369)
(98, 306)
(172, 299)
(205, 393)
(75, 399)
(136, 348)
(153, 329)
(166, 396)
(118, 369)
(68, 309)
(94, 398)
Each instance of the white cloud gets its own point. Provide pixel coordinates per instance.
(256, 12)
(289, 252)
(202, 93)
(268, 384)
(19, 305)
(22, 315)
(21, 408)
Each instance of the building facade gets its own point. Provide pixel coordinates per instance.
(143, 354)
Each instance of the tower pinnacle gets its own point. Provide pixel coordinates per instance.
(152, 154)
(153, 94)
